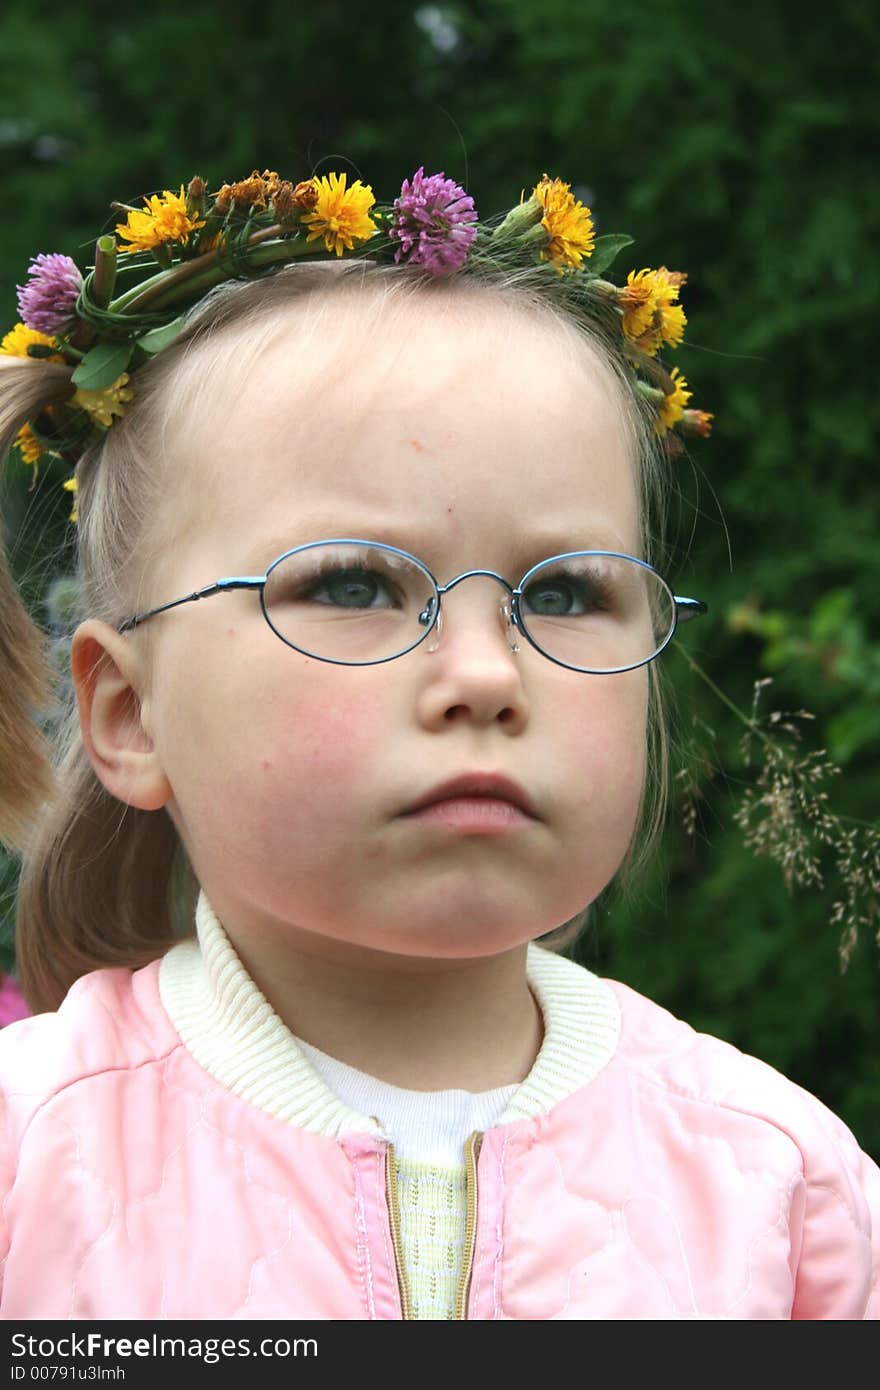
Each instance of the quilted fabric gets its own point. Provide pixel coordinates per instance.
(684, 1181)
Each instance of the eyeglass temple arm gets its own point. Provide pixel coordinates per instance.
(687, 608)
(219, 587)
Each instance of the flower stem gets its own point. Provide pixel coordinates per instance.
(751, 724)
(204, 271)
(104, 277)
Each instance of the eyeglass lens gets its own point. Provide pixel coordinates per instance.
(359, 603)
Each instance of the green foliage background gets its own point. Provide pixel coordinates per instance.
(734, 142)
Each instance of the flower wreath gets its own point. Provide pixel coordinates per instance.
(109, 322)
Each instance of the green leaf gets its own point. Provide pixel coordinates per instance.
(102, 365)
(159, 338)
(831, 613)
(606, 249)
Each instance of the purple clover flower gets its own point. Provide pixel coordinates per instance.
(48, 301)
(435, 223)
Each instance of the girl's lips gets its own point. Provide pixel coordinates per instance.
(484, 814)
(487, 786)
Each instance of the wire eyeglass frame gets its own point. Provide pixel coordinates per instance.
(684, 609)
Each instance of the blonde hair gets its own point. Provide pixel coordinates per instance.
(103, 883)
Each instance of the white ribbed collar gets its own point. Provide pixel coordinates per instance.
(234, 1033)
(426, 1127)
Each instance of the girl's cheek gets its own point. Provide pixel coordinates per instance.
(330, 729)
(608, 740)
(607, 711)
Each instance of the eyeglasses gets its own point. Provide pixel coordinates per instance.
(358, 603)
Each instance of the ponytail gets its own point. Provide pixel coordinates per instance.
(26, 779)
(26, 675)
(96, 883)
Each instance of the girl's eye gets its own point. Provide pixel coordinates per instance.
(353, 587)
(571, 596)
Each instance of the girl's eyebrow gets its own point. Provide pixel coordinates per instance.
(541, 543)
(300, 532)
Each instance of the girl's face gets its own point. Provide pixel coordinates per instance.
(475, 437)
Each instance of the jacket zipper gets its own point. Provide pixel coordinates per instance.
(472, 1153)
(394, 1217)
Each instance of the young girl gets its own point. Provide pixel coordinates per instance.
(367, 694)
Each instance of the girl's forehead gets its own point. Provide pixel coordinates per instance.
(337, 346)
(473, 413)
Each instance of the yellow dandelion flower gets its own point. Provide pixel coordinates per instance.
(651, 315)
(672, 322)
(71, 486)
(165, 219)
(637, 300)
(28, 445)
(568, 223)
(674, 403)
(341, 215)
(103, 405)
(19, 339)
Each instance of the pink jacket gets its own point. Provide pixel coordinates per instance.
(683, 1180)
(12, 1005)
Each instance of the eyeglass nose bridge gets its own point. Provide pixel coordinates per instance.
(508, 606)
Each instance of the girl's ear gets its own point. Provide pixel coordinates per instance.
(109, 679)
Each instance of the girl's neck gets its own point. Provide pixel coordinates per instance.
(468, 1025)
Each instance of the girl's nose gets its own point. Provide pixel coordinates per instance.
(475, 678)
(503, 617)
